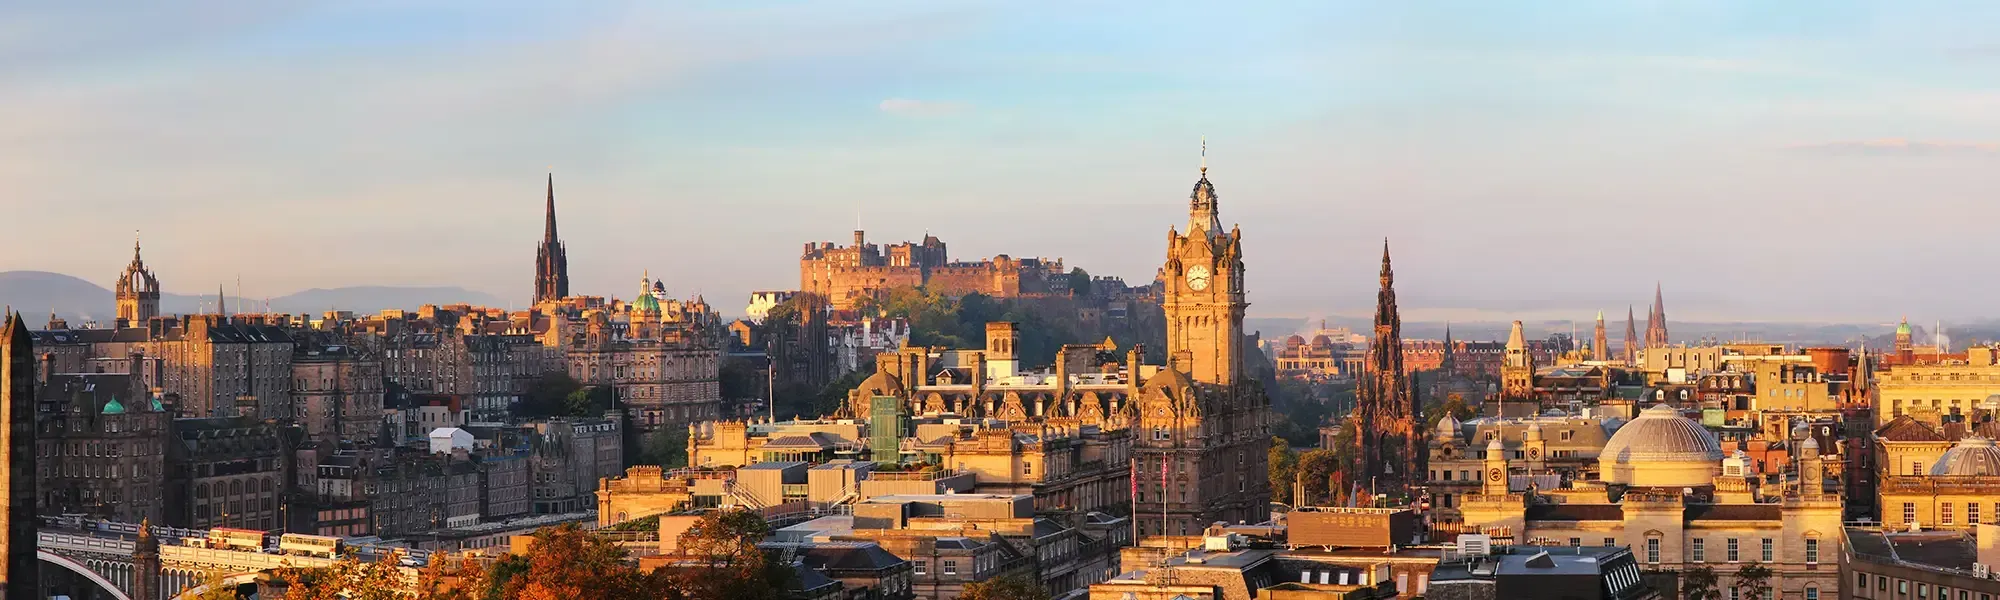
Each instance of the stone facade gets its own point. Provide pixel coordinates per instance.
(103, 442)
(848, 276)
(137, 292)
(18, 565)
(229, 472)
(1390, 435)
(336, 391)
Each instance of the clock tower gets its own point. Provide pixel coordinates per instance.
(1204, 301)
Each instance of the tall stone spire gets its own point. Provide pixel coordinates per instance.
(1656, 321)
(1393, 450)
(221, 301)
(1448, 364)
(137, 291)
(1631, 338)
(17, 451)
(551, 261)
(1203, 212)
(1600, 348)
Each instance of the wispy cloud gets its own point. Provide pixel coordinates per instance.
(1898, 147)
(922, 108)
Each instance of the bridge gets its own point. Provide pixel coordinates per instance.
(104, 554)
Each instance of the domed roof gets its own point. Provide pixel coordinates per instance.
(1447, 427)
(646, 303)
(1294, 341)
(1660, 442)
(1972, 455)
(114, 407)
(1903, 328)
(1321, 341)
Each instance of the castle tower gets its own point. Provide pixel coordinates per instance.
(1631, 339)
(1600, 345)
(551, 263)
(138, 292)
(1656, 322)
(17, 450)
(1517, 367)
(1393, 451)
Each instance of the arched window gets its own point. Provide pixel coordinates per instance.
(235, 487)
(200, 490)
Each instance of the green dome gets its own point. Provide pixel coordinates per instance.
(114, 407)
(157, 406)
(646, 303)
(1903, 328)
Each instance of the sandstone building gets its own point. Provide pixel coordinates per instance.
(847, 276)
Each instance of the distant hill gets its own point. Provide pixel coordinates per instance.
(35, 293)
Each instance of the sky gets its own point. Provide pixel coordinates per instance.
(1776, 161)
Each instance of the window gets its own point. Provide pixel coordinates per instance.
(1575, 542)
(1699, 550)
(1652, 551)
(1909, 512)
(1812, 593)
(1923, 590)
(1027, 468)
(1861, 581)
(1972, 513)
(950, 567)
(923, 566)
(1767, 550)
(1735, 594)
(1916, 467)
(1944, 513)
(1610, 541)
(1812, 551)
(1733, 557)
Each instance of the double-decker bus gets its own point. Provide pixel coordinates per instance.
(244, 540)
(301, 544)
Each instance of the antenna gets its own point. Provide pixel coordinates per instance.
(1204, 155)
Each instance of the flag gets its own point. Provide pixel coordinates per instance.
(1135, 480)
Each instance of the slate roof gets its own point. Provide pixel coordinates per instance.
(1576, 512)
(1733, 512)
(849, 557)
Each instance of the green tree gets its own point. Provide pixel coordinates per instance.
(1699, 583)
(1753, 582)
(547, 396)
(1079, 282)
(1318, 466)
(666, 447)
(1012, 587)
(1284, 465)
(1453, 405)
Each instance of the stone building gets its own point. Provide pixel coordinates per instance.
(229, 472)
(1897, 565)
(569, 457)
(1937, 476)
(1667, 491)
(102, 441)
(661, 356)
(551, 260)
(1954, 389)
(219, 367)
(1546, 451)
(336, 390)
(848, 276)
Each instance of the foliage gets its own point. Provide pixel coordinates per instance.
(454, 578)
(1699, 584)
(1753, 582)
(666, 447)
(215, 587)
(547, 396)
(567, 562)
(347, 579)
(1435, 411)
(721, 560)
(1046, 324)
(1012, 587)
(589, 402)
(1079, 282)
(1302, 409)
(1284, 465)
(740, 379)
(1318, 466)
(651, 523)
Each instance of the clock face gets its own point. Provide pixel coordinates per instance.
(1493, 475)
(1197, 278)
(1534, 453)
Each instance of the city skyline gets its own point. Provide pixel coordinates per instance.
(252, 139)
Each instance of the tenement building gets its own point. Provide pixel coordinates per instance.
(101, 439)
(1897, 565)
(847, 276)
(1666, 490)
(229, 472)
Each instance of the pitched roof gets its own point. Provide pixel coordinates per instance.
(1905, 428)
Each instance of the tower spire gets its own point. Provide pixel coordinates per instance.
(549, 232)
(1204, 157)
(551, 262)
(221, 302)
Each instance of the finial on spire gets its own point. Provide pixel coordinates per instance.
(1204, 156)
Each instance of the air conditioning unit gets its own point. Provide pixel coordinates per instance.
(1475, 544)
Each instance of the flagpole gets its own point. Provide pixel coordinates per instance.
(1134, 497)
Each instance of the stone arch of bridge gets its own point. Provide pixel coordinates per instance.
(78, 568)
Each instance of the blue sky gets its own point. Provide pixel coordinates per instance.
(1783, 161)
